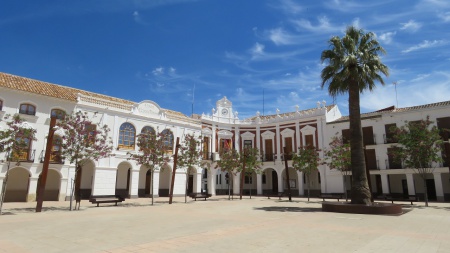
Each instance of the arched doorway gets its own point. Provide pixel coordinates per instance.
(165, 175)
(145, 179)
(52, 185)
(86, 179)
(293, 181)
(123, 180)
(269, 181)
(250, 184)
(17, 185)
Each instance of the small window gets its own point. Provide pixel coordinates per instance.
(91, 132)
(27, 109)
(127, 136)
(248, 180)
(57, 113)
(248, 144)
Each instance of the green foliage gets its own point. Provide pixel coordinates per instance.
(151, 151)
(306, 160)
(16, 140)
(338, 155)
(252, 164)
(354, 58)
(82, 140)
(420, 145)
(229, 161)
(190, 152)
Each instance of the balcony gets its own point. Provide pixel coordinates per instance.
(389, 139)
(207, 156)
(24, 156)
(391, 165)
(268, 157)
(55, 157)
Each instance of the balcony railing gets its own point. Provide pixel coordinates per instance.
(268, 157)
(389, 139)
(392, 166)
(55, 157)
(25, 156)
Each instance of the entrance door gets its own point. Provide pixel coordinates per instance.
(269, 151)
(190, 184)
(431, 189)
(405, 187)
(274, 181)
(379, 185)
(148, 179)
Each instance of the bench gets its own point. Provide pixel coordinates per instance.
(106, 199)
(196, 196)
(401, 197)
(277, 195)
(337, 196)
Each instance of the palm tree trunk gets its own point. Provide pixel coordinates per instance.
(360, 187)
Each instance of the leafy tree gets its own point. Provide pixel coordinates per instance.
(229, 162)
(252, 164)
(338, 157)
(83, 141)
(190, 157)
(420, 146)
(306, 161)
(353, 65)
(151, 153)
(15, 141)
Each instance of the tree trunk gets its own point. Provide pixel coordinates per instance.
(175, 160)
(242, 180)
(3, 193)
(360, 187)
(186, 187)
(345, 188)
(307, 177)
(229, 187)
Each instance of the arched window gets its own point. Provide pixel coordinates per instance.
(57, 113)
(27, 109)
(148, 129)
(127, 136)
(168, 139)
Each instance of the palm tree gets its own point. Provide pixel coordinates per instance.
(354, 65)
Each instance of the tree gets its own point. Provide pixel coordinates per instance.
(151, 153)
(15, 141)
(190, 157)
(229, 162)
(419, 146)
(83, 141)
(338, 157)
(354, 65)
(306, 161)
(249, 164)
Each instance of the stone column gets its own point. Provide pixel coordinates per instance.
(212, 182)
(155, 183)
(281, 182)
(439, 187)
(410, 181)
(134, 184)
(301, 186)
(259, 184)
(31, 196)
(385, 183)
(236, 183)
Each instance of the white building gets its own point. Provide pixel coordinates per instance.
(36, 101)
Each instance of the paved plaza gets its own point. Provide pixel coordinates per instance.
(219, 225)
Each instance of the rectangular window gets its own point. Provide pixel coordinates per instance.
(443, 125)
(368, 136)
(248, 144)
(346, 136)
(309, 140)
(220, 179)
(264, 178)
(318, 176)
(217, 179)
(389, 136)
(371, 159)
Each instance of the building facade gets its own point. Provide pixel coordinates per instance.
(274, 135)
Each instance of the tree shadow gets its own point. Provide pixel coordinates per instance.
(14, 211)
(289, 209)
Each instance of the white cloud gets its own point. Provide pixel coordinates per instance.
(158, 71)
(411, 26)
(419, 92)
(138, 18)
(424, 44)
(257, 50)
(281, 37)
(288, 6)
(323, 25)
(445, 16)
(387, 37)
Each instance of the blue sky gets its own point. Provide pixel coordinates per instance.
(161, 49)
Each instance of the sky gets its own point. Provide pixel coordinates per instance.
(263, 55)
